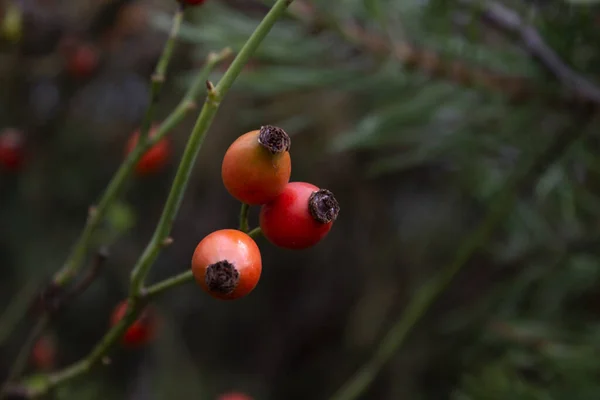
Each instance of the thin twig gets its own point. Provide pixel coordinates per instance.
(203, 123)
(254, 233)
(187, 104)
(97, 213)
(426, 295)
(159, 75)
(169, 283)
(510, 21)
(245, 208)
(87, 280)
(23, 356)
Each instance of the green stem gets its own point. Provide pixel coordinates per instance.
(176, 117)
(203, 123)
(209, 109)
(158, 77)
(256, 232)
(116, 184)
(169, 283)
(244, 217)
(417, 307)
(96, 215)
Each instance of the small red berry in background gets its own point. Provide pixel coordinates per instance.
(299, 217)
(234, 396)
(43, 354)
(192, 2)
(12, 143)
(82, 60)
(141, 332)
(257, 165)
(227, 264)
(155, 157)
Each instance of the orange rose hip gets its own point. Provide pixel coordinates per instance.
(257, 165)
(227, 264)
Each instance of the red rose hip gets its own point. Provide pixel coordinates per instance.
(141, 332)
(155, 158)
(257, 165)
(43, 354)
(227, 264)
(12, 152)
(234, 396)
(82, 60)
(299, 217)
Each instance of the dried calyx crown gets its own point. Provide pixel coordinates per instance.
(274, 139)
(323, 206)
(222, 277)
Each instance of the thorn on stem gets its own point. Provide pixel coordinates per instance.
(106, 360)
(92, 211)
(158, 78)
(167, 242)
(210, 87)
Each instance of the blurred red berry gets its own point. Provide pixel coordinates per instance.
(82, 60)
(12, 143)
(234, 396)
(141, 332)
(43, 354)
(192, 2)
(155, 158)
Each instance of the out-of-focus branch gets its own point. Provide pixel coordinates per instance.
(528, 170)
(413, 57)
(430, 62)
(510, 21)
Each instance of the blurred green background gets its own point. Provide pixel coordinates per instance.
(414, 113)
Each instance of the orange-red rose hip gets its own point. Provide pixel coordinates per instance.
(227, 264)
(12, 149)
(299, 217)
(257, 165)
(234, 396)
(43, 354)
(155, 157)
(141, 332)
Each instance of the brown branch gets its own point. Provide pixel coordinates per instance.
(516, 88)
(87, 280)
(510, 21)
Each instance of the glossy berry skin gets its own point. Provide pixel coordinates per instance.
(155, 158)
(141, 332)
(12, 150)
(234, 396)
(251, 173)
(82, 61)
(287, 221)
(227, 264)
(43, 353)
